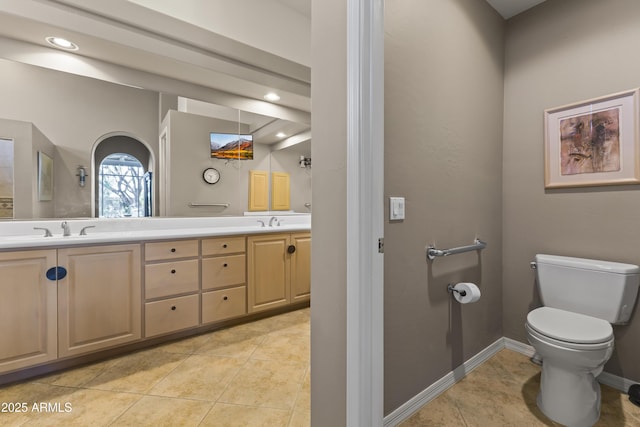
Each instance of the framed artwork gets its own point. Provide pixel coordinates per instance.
(592, 143)
(45, 177)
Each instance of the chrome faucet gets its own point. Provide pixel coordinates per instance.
(83, 232)
(272, 220)
(66, 230)
(47, 232)
(261, 222)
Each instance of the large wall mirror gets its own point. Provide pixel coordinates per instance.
(100, 134)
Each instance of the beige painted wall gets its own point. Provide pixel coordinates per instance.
(558, 53)
(443, 153)
(329, 219)
(74, 112)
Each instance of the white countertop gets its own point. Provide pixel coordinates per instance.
(21, 235)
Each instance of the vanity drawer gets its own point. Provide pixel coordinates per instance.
(224, 304)
(170, 278)
(219, 272)
(168, 250)
(170, 315)
(223, 245)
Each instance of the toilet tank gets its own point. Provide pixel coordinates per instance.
(602, 289)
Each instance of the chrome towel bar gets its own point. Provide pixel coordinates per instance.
(199, 205)
(432, 252)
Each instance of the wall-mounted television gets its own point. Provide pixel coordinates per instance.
(231, 146)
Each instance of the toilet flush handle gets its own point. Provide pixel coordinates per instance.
(533, 265)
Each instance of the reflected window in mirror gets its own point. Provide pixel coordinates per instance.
(121, 187)
(122, 179)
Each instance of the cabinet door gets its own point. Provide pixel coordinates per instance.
(99, 301)
(258, 191)
(301, 267)
(27, 309)
(268, 272)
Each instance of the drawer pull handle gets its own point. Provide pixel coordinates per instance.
(173, 271)
(225, 298)
(224, 246)
(173, 307)
(225, 264)
(173, 249)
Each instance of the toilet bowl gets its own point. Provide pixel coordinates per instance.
(572, 332)
(574, 348)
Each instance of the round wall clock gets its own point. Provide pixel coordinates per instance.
(211, 175)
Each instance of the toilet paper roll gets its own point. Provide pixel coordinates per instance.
(467, 293)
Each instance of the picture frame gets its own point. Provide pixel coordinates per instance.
(593, 142)
(45, 177)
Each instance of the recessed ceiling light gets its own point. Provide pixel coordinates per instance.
(280, 135)
(272, 97)
(61, 43)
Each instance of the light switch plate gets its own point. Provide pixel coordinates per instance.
(396, 208)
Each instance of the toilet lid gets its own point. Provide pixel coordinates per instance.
(569, 327)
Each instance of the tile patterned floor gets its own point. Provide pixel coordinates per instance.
(255, 374)
(502, 392)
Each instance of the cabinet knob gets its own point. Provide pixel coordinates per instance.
(224, 246)
(173, 271)
(56, 273)
(225, 264)
(173, 307)
(225, 297)
(291, 249)
(173, 249)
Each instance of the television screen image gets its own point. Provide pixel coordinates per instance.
(231, 146)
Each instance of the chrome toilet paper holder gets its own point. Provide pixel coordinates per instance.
(452, 289)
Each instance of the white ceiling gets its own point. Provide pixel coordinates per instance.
(509, 8)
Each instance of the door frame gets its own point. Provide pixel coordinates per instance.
(365, 212)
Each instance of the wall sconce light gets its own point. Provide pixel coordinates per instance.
(305, 162)
(82, 175)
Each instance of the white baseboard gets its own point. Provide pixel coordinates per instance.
(440, 386)
(519, 347)
(434, 390)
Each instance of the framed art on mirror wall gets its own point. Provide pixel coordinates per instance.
(593, 142)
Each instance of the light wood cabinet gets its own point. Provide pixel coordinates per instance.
(280, 191)
(107, 292)
(99, 301)
(171, 278)
(224, 304)
(28, 300)
(258, 190)
(301, 267)
(224, 273)
(170, 315)
(278, 272)
(172, 269)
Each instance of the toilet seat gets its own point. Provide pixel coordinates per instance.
(572, 330)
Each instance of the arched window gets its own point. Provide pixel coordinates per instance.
(123, 184)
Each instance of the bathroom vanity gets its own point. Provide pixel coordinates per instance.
(137, 282)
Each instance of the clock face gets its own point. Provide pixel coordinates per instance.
(211, 175)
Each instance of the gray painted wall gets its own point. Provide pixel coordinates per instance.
(329, 219)
(27, 141)
(443, 153)
(190, 154)
(561, 52)
(73, 112)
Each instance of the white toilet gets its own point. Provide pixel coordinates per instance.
(572, 333)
